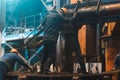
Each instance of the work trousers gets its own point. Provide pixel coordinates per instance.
(3, 71)
(49, 55)
(72, 45)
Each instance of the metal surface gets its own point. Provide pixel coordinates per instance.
(2, 22)
(67, 76)
(58, 75)
(43, 2)
(91, 14)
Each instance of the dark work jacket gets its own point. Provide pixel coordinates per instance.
(53, 23)
(10, 58)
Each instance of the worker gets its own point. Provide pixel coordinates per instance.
(72, 45)
(7, 62)
(52, 23)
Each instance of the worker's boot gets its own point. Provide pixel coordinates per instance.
(84, 72)
(58, 69)
(46, 69)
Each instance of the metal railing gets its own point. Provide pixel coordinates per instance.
(25, 24)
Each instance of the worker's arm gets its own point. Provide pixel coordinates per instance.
(69, 19)
(43, 22)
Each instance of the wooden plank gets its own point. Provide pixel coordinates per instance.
(59, 75)
(112, 71)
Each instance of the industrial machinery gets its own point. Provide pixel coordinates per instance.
(87, 13)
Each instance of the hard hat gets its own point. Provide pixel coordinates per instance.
(14, 50)
(64, 10)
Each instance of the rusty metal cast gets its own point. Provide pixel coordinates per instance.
(109, 9)
(112, 9)
(92, 13)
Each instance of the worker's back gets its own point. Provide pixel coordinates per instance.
(53, 24)
(10, 58)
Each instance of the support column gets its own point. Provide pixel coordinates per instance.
(98, 42)
(57, 5)
(2, 22)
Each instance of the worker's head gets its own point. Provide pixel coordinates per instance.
(14, 51)
(63, 11)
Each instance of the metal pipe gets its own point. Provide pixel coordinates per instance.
(112, 9)
(109, 9)
(44, 4)
(91, 14)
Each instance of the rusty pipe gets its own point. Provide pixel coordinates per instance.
(92, 14)
(108, 9)
(112, 9)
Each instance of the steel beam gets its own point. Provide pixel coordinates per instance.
(44, 5)
(2, 22)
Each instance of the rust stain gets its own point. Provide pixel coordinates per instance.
(82, 39)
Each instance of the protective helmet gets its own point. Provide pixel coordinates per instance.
(14, 50)
(64, 10)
